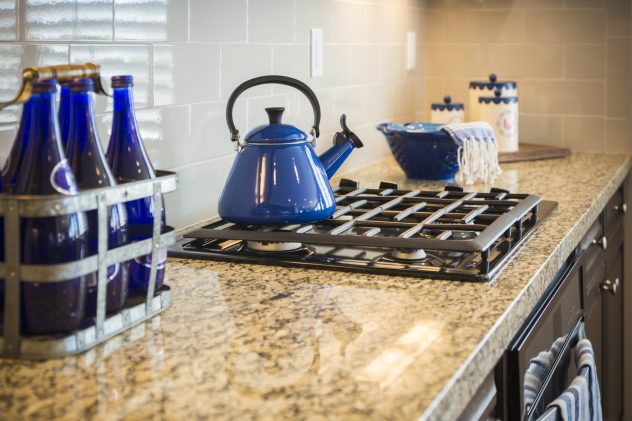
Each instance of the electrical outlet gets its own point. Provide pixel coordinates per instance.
(411, 50)
(316, 52)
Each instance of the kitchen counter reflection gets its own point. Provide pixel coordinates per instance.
(252, 341)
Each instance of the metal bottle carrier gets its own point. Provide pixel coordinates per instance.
(14, 208)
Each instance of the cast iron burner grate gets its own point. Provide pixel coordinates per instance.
(450, 233)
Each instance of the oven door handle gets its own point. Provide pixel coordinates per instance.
(552, 414)
(572, 338)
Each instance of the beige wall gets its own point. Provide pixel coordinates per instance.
(571, 59)
(188, 55)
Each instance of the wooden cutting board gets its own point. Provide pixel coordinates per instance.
(531, 151)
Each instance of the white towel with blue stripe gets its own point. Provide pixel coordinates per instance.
(477, 152)
(582, 399)
(537, 371)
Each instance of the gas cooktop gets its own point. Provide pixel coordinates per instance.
(448, 234)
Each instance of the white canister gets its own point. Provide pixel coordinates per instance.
(487, 89)
(502, 114)
(447, 112)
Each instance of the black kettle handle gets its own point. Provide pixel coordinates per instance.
(262, 80)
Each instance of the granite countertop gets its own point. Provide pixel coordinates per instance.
(249, 341)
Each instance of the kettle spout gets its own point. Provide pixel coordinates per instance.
(344, 143)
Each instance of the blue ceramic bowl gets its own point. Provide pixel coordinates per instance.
(423, 150)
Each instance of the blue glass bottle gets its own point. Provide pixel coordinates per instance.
(18, 149)
(63, 115)
(49, 307)
(128, 160)
(87, 161)
(8, 176)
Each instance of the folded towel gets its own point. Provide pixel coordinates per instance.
(582, 400)
(477, 152)
(537, 371)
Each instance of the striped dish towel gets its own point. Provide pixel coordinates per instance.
(537, 371)
(477, 152)
(582, 400)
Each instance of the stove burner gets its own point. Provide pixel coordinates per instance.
(409, 254)
(273, 246)
(464, 235)
(445, 233)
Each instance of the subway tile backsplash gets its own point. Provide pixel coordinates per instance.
(187, 56)
(571, 59)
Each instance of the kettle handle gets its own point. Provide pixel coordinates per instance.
(281, 80)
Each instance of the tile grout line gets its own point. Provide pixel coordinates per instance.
(188, 21)
(113, 21)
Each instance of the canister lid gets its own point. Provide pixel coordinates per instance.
(498, 98)
(446, 105)
(276, 131)
(493, 84)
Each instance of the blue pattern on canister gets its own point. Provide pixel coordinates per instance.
(493, 84)
(446, 105)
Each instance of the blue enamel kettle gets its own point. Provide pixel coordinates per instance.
(276, 177)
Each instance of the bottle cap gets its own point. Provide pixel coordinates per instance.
(122, 81)
(81, 85)
(44, 85)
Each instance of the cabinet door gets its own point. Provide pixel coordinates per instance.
(613, 327)
(593, 276)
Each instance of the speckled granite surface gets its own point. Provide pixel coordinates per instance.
(248, 341)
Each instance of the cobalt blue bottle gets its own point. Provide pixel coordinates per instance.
(49, 307)
(18, 149)
(87, 161)
(63, 115)
(128, 160)
(8, 177)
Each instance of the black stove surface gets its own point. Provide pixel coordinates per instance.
(448, 234)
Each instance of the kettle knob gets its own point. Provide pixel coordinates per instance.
(275, 114)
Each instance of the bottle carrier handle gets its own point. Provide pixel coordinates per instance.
(63, 73)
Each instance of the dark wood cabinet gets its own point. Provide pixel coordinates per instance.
(593, 273)
(612, 289)
(601, 272)
(598, 262)
(603, 284)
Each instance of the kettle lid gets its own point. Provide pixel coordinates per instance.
(275, 131)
